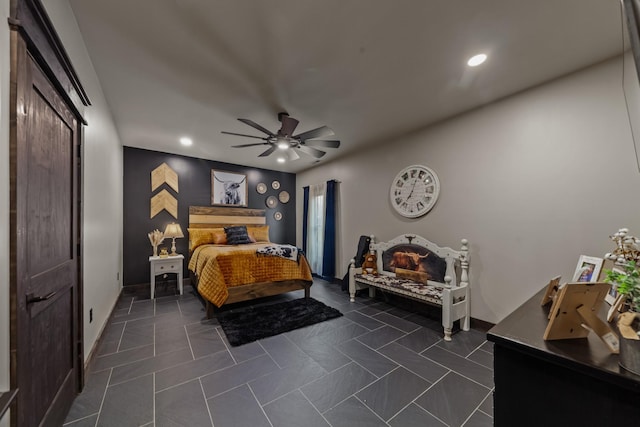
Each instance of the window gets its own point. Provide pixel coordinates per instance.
(316, 222)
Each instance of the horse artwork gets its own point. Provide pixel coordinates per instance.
(228, 188)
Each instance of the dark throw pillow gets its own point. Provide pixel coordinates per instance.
(237, 235)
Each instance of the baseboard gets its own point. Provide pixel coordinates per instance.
(332, 280)
(481, 325)
(94, 347)
(142, 290)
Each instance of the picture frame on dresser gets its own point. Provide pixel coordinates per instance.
(612, 297)
(588, 269)
(228, 188)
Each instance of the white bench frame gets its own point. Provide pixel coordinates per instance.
(452, 289)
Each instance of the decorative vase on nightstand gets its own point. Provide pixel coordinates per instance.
(155, 237)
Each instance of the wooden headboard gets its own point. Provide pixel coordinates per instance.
(216, 216)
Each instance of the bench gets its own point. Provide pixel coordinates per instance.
(413, 256)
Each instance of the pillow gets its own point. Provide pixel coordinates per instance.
(237, 235)
(259, 233)
(416, 276)
(206, 236)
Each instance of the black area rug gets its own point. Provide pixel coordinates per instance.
(252, 323)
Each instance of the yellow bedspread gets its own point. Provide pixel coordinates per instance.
(218, 267)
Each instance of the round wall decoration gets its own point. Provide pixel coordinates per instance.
(261, 188)
(277, 216)
(275, 185)
(414, 191)
(283, 196)
(271, 202)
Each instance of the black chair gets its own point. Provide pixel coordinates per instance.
(363, 249)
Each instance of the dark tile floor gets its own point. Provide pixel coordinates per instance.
(159, 363)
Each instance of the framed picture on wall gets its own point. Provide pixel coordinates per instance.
(588, 269)
(228, 188)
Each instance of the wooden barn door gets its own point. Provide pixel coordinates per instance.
(46, 366)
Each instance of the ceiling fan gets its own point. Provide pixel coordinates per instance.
(285, 140)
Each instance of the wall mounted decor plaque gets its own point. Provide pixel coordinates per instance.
(271, 202)
(284, 196)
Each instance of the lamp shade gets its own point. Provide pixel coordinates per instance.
(173, 230)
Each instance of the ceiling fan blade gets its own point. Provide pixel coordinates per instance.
(323, 143)
(250, 145)
(292, 155)
(269, 151)
(311, 151)
(242, 134)
(256, 126)
(320, 132)
(288, 125)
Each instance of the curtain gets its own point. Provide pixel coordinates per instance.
(319, 213)
(315, 228)
(305, 218)
(329, 250)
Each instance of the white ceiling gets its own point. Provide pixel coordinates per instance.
(369, 69)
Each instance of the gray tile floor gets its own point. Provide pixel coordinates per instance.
(160, 363)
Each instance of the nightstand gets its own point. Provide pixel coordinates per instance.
(171, 264)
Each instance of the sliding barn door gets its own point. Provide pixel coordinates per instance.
(44, 246)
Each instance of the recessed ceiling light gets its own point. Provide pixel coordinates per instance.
(186, 141)
(476, 60)
(280, 159)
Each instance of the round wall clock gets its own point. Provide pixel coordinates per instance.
(283, 196)
(271, 202)
(414, 191)
(275, 185)
(261, 188)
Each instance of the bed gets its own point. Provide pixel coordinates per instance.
(225, 273)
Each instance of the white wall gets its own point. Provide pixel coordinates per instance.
(533, 182)
(102, 180)
(4, 201)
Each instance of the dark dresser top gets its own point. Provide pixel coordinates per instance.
(523, 329)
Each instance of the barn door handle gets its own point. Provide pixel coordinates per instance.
(31, 299)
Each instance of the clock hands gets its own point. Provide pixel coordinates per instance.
(412, 188)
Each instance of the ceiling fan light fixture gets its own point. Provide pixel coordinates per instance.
(186, 141)
(476, 60)
(287, 141)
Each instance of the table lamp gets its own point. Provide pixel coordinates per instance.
(173, 231)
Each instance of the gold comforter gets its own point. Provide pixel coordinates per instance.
(220, 266)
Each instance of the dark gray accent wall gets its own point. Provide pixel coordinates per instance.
(194, 184)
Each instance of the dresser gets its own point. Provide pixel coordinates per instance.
(574, 382)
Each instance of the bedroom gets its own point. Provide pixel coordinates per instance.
(527, 214)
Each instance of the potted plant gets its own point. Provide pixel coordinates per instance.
(626, 279)
(627, 283)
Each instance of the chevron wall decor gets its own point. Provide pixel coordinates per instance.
(162, 174)
(164, 200)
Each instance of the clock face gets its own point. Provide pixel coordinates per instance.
(414, 191)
